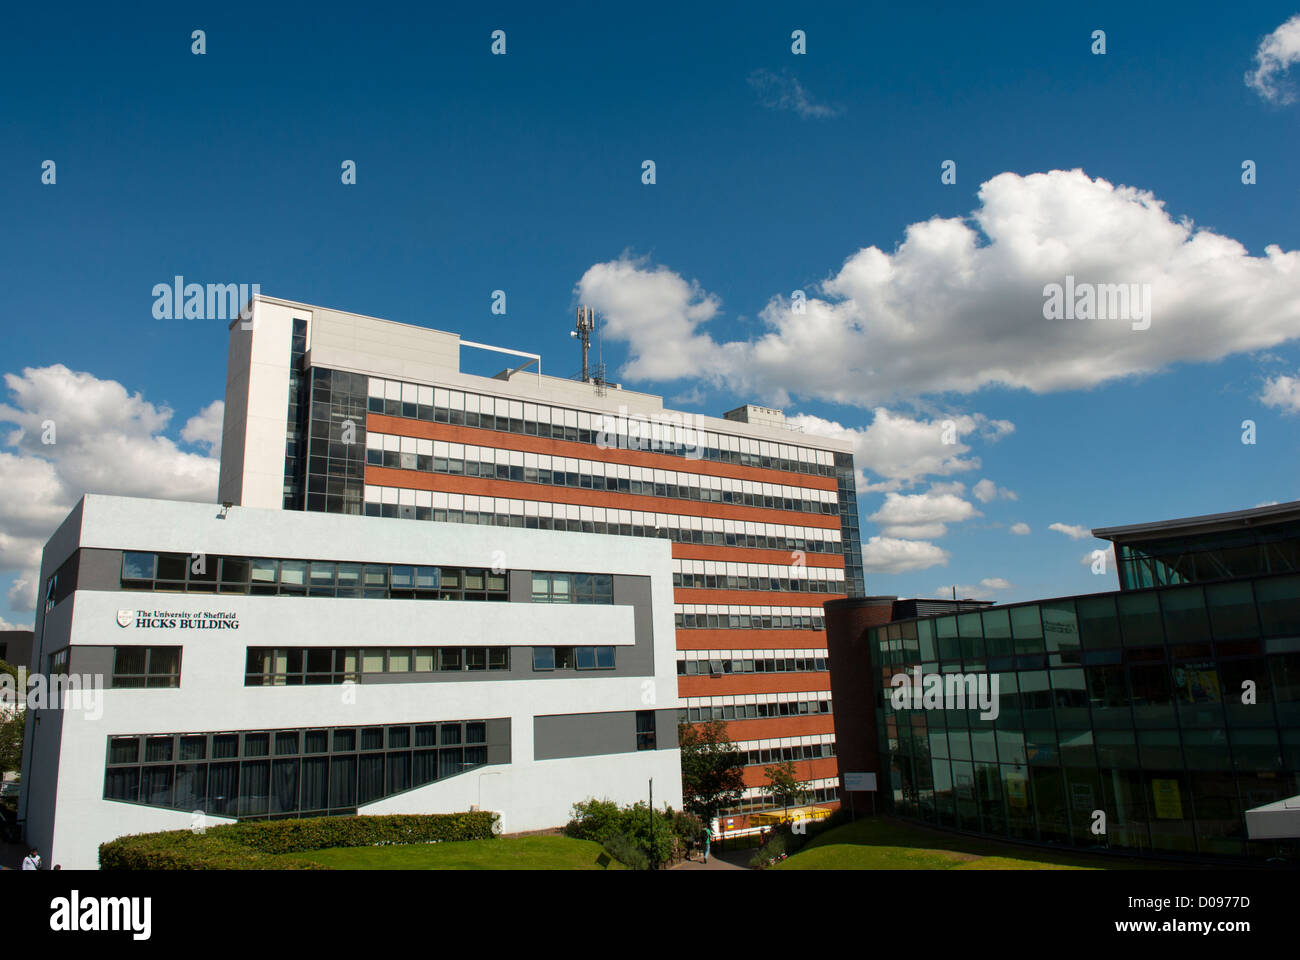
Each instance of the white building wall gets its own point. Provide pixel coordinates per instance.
(212, 696)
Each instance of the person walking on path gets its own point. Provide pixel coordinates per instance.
(32, 861)
(708, 838)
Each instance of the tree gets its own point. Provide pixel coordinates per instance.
(12, 720)
(713, 770)
(783, 784)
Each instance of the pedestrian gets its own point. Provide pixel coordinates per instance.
(32, 861)
(708, 837)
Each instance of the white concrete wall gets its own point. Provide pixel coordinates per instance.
(257, 405)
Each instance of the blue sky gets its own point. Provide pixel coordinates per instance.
(523, 173)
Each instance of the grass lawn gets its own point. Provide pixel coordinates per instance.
(517, 853)
(882, 843)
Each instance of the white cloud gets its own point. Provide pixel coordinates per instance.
(986, 490)
(6, 625)
(1071, 530)
(921, 516)
(785, 92)
(204, 428)
(891, 555)
(1276, 54)
(1088, 559)
(657, 313)
(105, 441)
(958, 304)
(1020, 529)
(984, 591)
(897, 451)
(1282, 392)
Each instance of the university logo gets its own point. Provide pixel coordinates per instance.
(124, 617)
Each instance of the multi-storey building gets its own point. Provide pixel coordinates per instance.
(219, 664)
(340, 413)
(1160, 719)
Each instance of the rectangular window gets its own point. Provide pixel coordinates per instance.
(645, 730)
(141, 667)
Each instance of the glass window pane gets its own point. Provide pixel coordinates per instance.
(137, 566)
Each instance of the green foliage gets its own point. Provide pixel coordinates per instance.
(776, 848)
(713, 770)
(625, 831)
(626, 851)
(784, 841)
(783, 785)
(259, 845)
(11, 728)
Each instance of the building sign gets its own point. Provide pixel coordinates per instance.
(1168, 799)
(863, 782)
(177, 620)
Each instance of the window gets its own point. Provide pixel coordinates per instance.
(543, 658)
(572, 588)
(645, 730)
(141, 667)
(594, 658)
(273, 773)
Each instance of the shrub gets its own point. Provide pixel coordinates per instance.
(626, 852)
(604, 820)
(261, 845)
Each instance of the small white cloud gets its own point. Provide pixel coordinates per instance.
(785, 92)
(1283, 393)
(1088, 559)
(204, 428)
(1276, 54)
(1074, 531)
(965, 591)
(1020, 529)
(6, 625)
(921, 516)
(986, 491)
(891, 555)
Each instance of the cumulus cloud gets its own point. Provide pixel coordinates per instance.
(6, 625)
(1283, 393)
(1276, 54)
(984, 591)
(784, 92)
(986, 491)
(892, 555)
(896, 451)
(76, 434)
(1020, 529)
(204, 428)
(957, 306)
(1071, 530)
(921, 516)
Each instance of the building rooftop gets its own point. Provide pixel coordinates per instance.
(1269, 515)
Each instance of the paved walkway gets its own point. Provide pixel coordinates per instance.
(727, 860)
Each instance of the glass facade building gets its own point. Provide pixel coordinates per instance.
(1146, 721)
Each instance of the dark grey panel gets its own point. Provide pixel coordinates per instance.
(100, 569)
(521, 586)
(666, 729)
(93, 660)
(564, 735)
(498, 734)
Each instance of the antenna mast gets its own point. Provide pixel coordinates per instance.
(582, 331)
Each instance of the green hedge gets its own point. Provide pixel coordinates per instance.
(262, 845)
